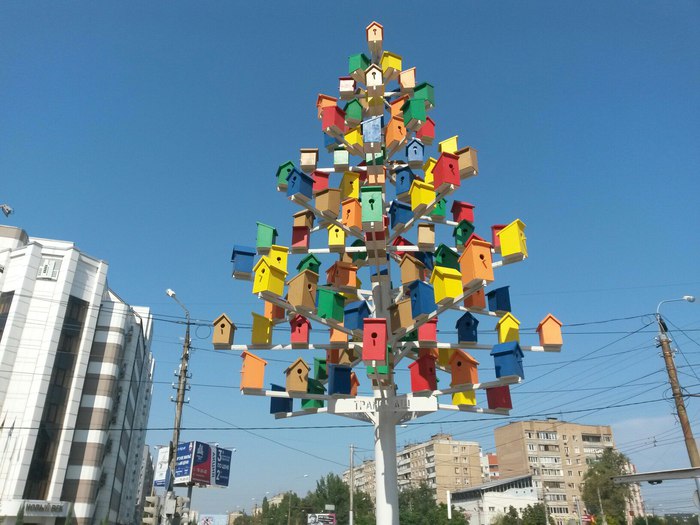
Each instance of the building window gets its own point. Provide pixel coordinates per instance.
(568, 461)
(5, 303)
(547, 435)
(492, 509)
(49, 268)
(456, 470)
(529, 435)
(531, 447)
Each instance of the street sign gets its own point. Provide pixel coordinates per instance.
(327, 519)
(161, 474)
(360, 404)
(202, 464)
(183, 463)
(221, 467)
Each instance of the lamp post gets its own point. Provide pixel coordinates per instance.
(665, 343)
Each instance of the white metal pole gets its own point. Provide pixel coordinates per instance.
(351, 517)
(387, 494)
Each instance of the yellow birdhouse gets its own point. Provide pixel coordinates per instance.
(421, 195)
(513, 240)
(391, 65)
(444, 355)
(353, 139)
(447, 284)
(262, 330)
(268, 278)
(464, 398)
(508, 328)
(448, 145)
(278, 257)
(428, 170)
(375, 106)
(350, 185)
(336, 238)
(549, 331)
(222, 332)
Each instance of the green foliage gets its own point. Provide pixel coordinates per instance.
(509, 518)
(243, 520)
(417, 506)
(598, 480)
(535, 515)
(651, 520)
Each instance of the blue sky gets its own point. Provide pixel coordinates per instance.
(149, 134)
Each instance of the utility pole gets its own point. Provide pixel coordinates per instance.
(351, 517)
(602, 512)
(544, 502)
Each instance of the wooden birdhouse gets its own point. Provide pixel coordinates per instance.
(421, 195)
(266, 237)
(320, 369)
(278, 257)
(508, 328)
(446, 172)
(415, 153)
(300, 328)
(411, 269)
(374, 339)
(448, 145)
(372, 134)
(475, 263)
(462, 211)
(462, 232)
(300, 239)
(468, 164)
(352, 214)
(422, 298)
(440, 210)
(407, 80)
(427, 258)
(331, 305)
(297, 376)
(320, 179)
(391, 66)
(467, 398)
(222, 333)
(350, 186)
(414, 116)
(323, 102)
(243, 258)
(300, 185)
(395, 135)
(508, 358)
(357, 65)
(467, 328)
(314, 387)
(476, 301)
(339, 380)
(341, 159)
(308, 159)
(353, 113)
(513, 240)
(426, 93)
(426, 132)
(310, 262)
(328, 202)
(280, 405)
(274, 312)
(427, 332)
(446, 257)
(282, 174)
(499, 299)
(336, 238)
(447, 284)
(395, 106)
(428, 167)
(333, 121)
(302, 290)
(268, 278)
(400, 213)
(353, 141)
(347, 87)
(303, 218)
(354, 384)
(423, 375)
(371, 198)
(374, 80)
(339, 337)
(342, 274)
(404, 178)
(262, 330)
(358, 256)
(499, 397)
(400, 314)
(549, 331)
(375, 37)
(252, 371)
(355, 314)
(402, 241)
(464, 368)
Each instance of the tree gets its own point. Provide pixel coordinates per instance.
(650, 520)
(334, 491)
(509, 518)
(535, 515)
(597, 480)
(417, 506)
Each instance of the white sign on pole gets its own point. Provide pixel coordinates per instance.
(366, 404)
(162, 471)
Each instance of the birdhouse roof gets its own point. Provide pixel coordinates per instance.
(310, 275)
(441, 272)
(350, 200)
(325, 98)
(297, 318)
(419, 284)
(517, 223)
(303, 213)
(245, 355)
(418, 184)
(475, 239)
(422, 359)
(549, 318)
(357, 306)
(298, 362)
(428, 124)
(374, 24)
(462, 355)
(245, 250)
(310, 257)
(458, 205)
(278, 248)
(224, 317)
(309, 150)
(400, 100)
(422, 85)
(416, 141)
(464, 224)
(444, 249)
(465, 318)
(289, 164)
(398, 204)
(465, 149)
(408, 258)
(506, 318)
(260, 224)
(510, 347)
(401, 241)
(372, 67)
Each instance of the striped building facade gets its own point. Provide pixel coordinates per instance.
(75, 385)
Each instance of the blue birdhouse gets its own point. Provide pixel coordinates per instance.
(499, 299)
(355, 314)
(508, 358)
(242, 258)
(300, 185)
(467, 328)
(415, 153)
(339, 379)
(280, 404)
(404, 179)
(330, 142)
(427, 258)
(399, 213)
(422, 299)
(372, 129)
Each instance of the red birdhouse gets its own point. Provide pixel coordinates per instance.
(495, 239)
(320, 181)
(428, 332)
(300, 328)
(333, 121)
(426, 133)
(446, 171)
(374, 340)
(423, 376)
(499, 397)
(462, 211)
(300, 239)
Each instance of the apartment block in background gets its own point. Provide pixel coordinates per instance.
(76, 374)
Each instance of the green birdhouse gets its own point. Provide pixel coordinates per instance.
(357, 65)
(425, 92)
(446, 257)
(410, 336)
(313, 387)
(372, 204)
(353, 113)
(282, 173)
(331, 305)
(310, 262)
(358, 256)
(320, 370)
(267, 236)
(462, 232)
(440, 210)
(414, 114)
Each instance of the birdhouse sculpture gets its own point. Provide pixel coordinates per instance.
(222, 332)
(476, 263)
(341, 159)
(303, 218)
(467, 328)
(347, 87)
(300, 327)
(549, 331)
(427, 332)
(407, 80)
(468, 164)
(353, 113)
(310, 262)
(357, 64)
(374, 340)
(462, 211)
(391, 66)
(280, 405)
(308, 159)
(336, 238)
(339, 379)
(262, 330)
(283, 172)
(277, 257)
(422, 299)
(371, 198)
(300, 239)
(243, 259)
(508, 328)
(426, 236)
(372, 134)
(350, 185)
(351, 214)
(499, 397)
(415, 153)
(297, 376)
(374, 80)
(266, 237)
(403, 179)
(333, 121)
(476, 301)
(268, 278)
(426, 132)
(411, 269)
(330, 305)
(328, 202)
(462, 232)
(301, 292)
(252, 371)
(513, 240)
(323, 102)
(423, 375)
(464, 368)
(400, 213)
(400, 314)
(499, 300)
(421, 195)
(320, 179)
(414, 115)
(314, 387)
(447, 284)
(446, 257)
(495, 239)
(320, 369)
(426, 93)
(448, 145)
(508, 358)
(446, 172)
(395, 135)
(355, 314)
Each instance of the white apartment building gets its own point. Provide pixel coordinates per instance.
(76, 374)
(484, 503)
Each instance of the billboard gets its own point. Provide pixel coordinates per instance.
(213, 519)
(328, 519)
(161, 473)
(202, 464)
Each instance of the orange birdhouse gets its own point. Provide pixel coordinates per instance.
(549, 331)
(464, 368)
(475, 263)
(477, 300)
(252, 371)
(272, 311)
(342, 274)
(352, 214)
(354, 384)
(222, 332)
(297, 376)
